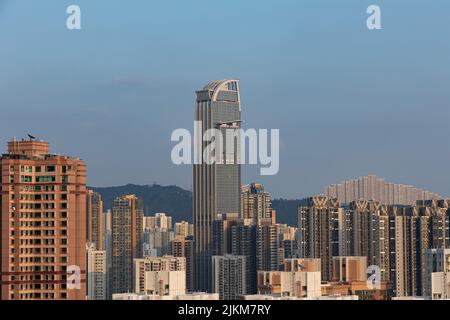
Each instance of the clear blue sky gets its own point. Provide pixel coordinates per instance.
(347, 101)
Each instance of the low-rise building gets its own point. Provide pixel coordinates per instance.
(160, 275)
(440, 286)
(187, 296)
(298, 284)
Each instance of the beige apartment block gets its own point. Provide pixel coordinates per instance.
(96, 273)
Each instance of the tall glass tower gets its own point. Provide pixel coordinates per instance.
(216, 187)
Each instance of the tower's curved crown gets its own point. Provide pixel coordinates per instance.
(221, 85)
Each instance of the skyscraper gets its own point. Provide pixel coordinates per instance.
(243, 243)
(127, 218)
(255, 202)
(216, 186)
(367, 233)
(410, 238)
(267, 246)
(43, 223)
(320, 231)
(95, 219)
(183, 248)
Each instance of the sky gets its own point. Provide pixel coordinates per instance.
(348, 101)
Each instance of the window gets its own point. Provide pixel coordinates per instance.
(46, 179)
(25, 179)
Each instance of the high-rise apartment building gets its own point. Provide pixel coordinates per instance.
(409, 241)
(366, 226)
(127, 219)
(95, 219)
(229, 276)
(413, 230)
(244, 243)
(439, 213)
(255, 202)
(221, 233)
(216, 184)
(162, 276)
(236, 236)
(43, 223)
(267, 258)
(376, 189)
(97, 273)
(108, 249)
(287, 242)
(394, 239)
(321, 232)
(184, 248)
